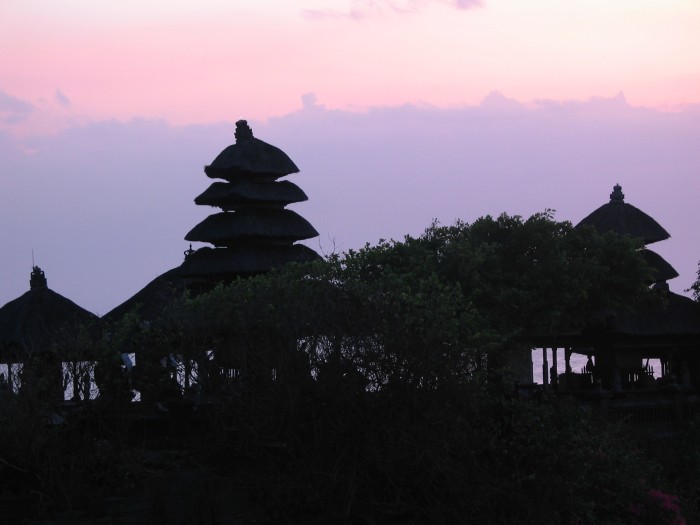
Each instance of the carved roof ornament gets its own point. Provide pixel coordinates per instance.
(37, 279)
(243, 131)
(250, 158)
(188, 252)
(617, 195)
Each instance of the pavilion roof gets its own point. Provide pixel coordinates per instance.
(148, 302)
(228, 195)
(40, 319)
(250, 156)
(663, 320)
(224, 228)
(672, 315)
(622, 218)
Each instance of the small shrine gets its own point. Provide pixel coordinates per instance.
(254, 232)
(37, 320)
(39, 332)
(621, 345)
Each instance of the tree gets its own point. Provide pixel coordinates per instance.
(362, 388)
(695, 287)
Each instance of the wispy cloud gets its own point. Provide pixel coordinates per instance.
(466, 4)
(361, 9)
(62, 99)
(13, 109)
(309, 101)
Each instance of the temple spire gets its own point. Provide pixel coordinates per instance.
(37, 279)
(243, 131)
(617, 195)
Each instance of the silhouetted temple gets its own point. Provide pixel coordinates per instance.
(39, 321)
(621, 344)
(254, 232)
(622, 218)
(39, 332)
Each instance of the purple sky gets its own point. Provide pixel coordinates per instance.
(109, 110)
(105, 205)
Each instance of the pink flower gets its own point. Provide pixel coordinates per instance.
(658, 508)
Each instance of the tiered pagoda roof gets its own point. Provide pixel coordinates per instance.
(673, 320)
(624, 219)
(254, 232)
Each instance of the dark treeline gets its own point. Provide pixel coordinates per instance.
(376, 386)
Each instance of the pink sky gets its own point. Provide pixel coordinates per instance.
(211, 60)
(396, 111)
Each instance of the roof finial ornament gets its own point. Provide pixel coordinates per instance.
(243, 131)
(617, 195)
(37, 279)
(188, 252)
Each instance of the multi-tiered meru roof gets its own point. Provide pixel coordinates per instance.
(254, 232)
(624, 219)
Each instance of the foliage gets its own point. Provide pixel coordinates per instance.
(383, 372)
(431, 459)
(375, 385)
(695, 287)
(421, 312)
(679, 456)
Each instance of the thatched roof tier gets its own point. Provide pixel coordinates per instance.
(243, 192)
(667, 321)
(226, 228)
(150, 301)
(244, 259)
(40, 320)
(662, 270)
(622, 218)
(672, 316)
(250, 156)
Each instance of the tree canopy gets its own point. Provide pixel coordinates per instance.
(422, 310)
(695, 287)
(371, 386)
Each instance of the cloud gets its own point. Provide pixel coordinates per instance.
(308, 100)
(496, 101)
(590, 106)
(321, 14)
(13, 109)
(62, 99)
(467, 4)
(361, 9)
(107, 205)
